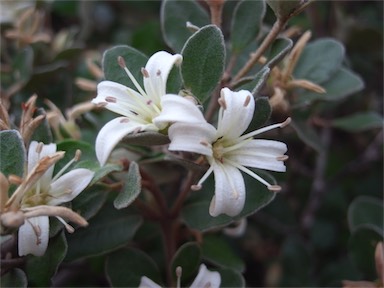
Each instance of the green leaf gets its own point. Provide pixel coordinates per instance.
(342, 84)
(43, 132)
(319, 60)
(23, 65)
(90, 201)
(146, 139)
(196, 215)
(174, 16)
(359, 122)
(277, 51)
(134, 60)
(307, 134)
(246, 23)
(203, 61)
(131, 188)
(125, 267)
(256, 83)
(107, 231)
(14, 278)
(365, 210)
(362, 245)
(217, 251)
(40, 270)
(231, 278)
(12, 153)
(188, 257)
(103, 171)
(284, 8)
(261, 114)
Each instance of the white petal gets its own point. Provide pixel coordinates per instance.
(229, 190)
(238, 113)
(29, 242)
(260, 154)
(145, 282)
(158, 68)
(34, 157)
(192, 137)
(176, 108)
(125, 98)
(113, 132)
(69, 185)
(206, 278)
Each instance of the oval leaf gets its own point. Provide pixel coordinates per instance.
(174, 17)
(131, 187)
(246, 23)
(307, 134)
(14, 278)
(365, 210)
(188, 258)
(134, 60)
(12, 153)
(359, 122)
(203, 61)
(277, 51)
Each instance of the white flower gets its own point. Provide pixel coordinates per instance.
(43, 192)
(228, 151)
(148, 109)
(204, 278)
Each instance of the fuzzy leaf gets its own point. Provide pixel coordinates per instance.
(342, 84)
(146, 138)
(40, 270)
(319, 60)
(12, 153)
(307, 134)
(90, 201)
(246, 23)
(134, 60)
(131, 188)
(23, 65)
(277, 51)
(107, 231)
(359, 122)
(174, 17)
(261, 115)
(365, 210)
(125, 267)
(217, 251)
(188, 257)
(203, 61)
(196, 211)
(284, 8)
(256, 83)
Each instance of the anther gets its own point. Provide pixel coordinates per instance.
(235, 194)
(77, 155)
(102, 104)
(286, 122)
(247, 100)
(124, 120)
(149, 102)
(121, 62)
(274, 188)
(222, 103)
(208, 285)
(282, 157)
(39, 147)
(110, 99)
(205, 143)
(158, 73)
(196, 187)
(144, 72)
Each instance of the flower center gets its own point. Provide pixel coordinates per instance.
(218, 150)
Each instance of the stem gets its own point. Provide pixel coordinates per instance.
(183, 194)
(169, 229)
(216, 9)
(149, 183)
(276, 28)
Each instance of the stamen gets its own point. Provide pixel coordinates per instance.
(205, 176)
(179, 272)
(77, 155)
(137, 130)
(282, 158)
(69, 228)
(196, 187)
(144, 72)
(110, 99)
(222, 103)
(265, 129)
(247, 100)
(274, 188)
(61, 172)
(39, 148)
(134, 81)
(101, 104)
(205, 143)
(208, 285)
(286, 122)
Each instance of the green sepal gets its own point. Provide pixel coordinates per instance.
(246, 23)
(125, 267)
(203, 61)
(188, 257)
(174, 16)
(131, 187)
(134, 60)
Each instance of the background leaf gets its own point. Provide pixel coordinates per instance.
(203, 61)
(365, 210)
(131, 187)
(359, 122)
(174, 16)
(188, 258)
(14, 278)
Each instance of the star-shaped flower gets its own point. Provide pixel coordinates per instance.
(229, 152)
(148, 109)
(40, 193)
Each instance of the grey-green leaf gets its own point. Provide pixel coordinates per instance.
(14, 278)
(277, 51)
(203, 61)
(188, 257)
(246, 23)
(261, 114)
(131, 187)
(319, 60)
(174, 17)
(12, 153)
(359, 122)
(365, 210)
(146, 138)
(134, 60)
(125, 268)
(307, 134)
